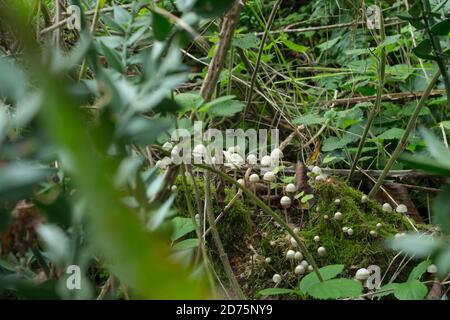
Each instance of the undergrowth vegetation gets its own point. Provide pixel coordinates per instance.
(199, 149)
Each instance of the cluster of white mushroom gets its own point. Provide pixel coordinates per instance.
(318, 174)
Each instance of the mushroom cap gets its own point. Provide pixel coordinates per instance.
(285, 202)
(316, 238)
(266, 161)
(321, 177)
(290, 188)
(268, 260)
(276, 278)
(304, 263)
(235, 160)
(310, 268)
(234, 149)
(350, 231)
(276, 154)
(373, 233)
(254, 178)
(167, 146)
(241, 182)
(321, 251)
(326, 217)
(290, 254)
(337, 201)
(269, 176)
(299, 269)
(432, 269)
(362, 274)
(401, 208)
(316, 170)
(379, 225)
(345, 229)
(294, 242)
(173, 188)
(298, 256)
(338, 216)
(387, 207)
(252, 159)
(364, 199)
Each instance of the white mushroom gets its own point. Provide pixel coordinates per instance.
(379, 225)
(252, 159)
(304, 263)
(276, 278)
(373, 233)
(199, 151)
(387, 207)
(254, 178)
(401, 208)
(167, 146)
(364, 199)
(235, 161)
(350, 231)
(266, 161)
(316, 238)
(293, 242)
(290, 254)
(310, 268)
(299, 269)
(276, 155)
(321, 177)
(316, 170)
(241, 182)
(321, 251)
(326, 217)
(290, 188)
(432, 269)
(269, 176)
(285, 202)
(345, 229)
(362, 274)
(337, 201)
(173, 188)
(298, 255)
(338, 216)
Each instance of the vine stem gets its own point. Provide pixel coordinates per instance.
(260, 52)
(270, 212)
(401, 145)
(376, 108)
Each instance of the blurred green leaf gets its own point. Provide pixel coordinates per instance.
(161, 26)
(335, 289)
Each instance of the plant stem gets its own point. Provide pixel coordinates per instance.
(218, 242)
(402, 143)
(260, 52)
(270, 212)
(376, 108)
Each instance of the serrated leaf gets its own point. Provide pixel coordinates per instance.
(309, 119)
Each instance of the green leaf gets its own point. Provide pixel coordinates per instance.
(248, 41)
(423, 50)
(441, 210)
(443, 262)
(441, 28)
(425, 163)
(386, 290)
(182, 226)
(411, 290)
(212, 8)
(309, 119)
(161, 26)
(12, 80)
(275, 291)
(419, 270)
(112, 56)
(391, 134)
(336, 288)
(223, 107)
(327, 273)
(186, 244)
